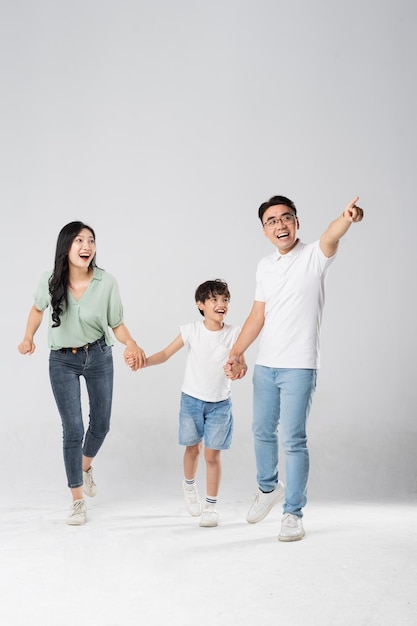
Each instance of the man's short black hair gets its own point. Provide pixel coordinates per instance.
(273, 202)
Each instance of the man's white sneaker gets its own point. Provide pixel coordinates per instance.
(291, 528)
(89, 486)
(264, 502)
(192, 499)
(209, 517)
(78, 513)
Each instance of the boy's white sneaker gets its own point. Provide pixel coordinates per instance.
(209, 517)
(78, 513)
(192, 499)
(291, 528)
(264, 502)
(89, 486)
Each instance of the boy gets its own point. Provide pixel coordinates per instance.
(206, 408)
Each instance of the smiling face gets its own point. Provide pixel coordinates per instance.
(280, 226)
(83, 249)
(215, 310)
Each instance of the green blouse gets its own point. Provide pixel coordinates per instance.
(86, 319)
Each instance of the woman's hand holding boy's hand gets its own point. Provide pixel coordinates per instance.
(135, 358)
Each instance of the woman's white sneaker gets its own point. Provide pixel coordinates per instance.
(78, 513)
(89, 486)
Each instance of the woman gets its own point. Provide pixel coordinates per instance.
(83, 302)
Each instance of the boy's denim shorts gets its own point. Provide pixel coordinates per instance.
(208, 421)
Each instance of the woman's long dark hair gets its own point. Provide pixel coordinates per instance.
(58, 282)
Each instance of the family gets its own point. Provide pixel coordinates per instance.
(84, 304)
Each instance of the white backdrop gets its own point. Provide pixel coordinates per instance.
(164, 125)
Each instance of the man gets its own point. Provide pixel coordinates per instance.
(288, 309)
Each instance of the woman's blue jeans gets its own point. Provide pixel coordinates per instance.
(282, 397)
(95, 363)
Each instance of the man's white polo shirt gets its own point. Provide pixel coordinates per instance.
(292, 286)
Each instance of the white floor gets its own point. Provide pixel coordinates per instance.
(149, 563)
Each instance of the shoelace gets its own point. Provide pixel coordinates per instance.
(90, 482)
(77, 508)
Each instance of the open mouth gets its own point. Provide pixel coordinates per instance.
(283, 235)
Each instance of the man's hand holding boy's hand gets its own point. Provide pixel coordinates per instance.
(235, 369)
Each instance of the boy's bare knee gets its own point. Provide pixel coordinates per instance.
(194, 450)
(212, 456)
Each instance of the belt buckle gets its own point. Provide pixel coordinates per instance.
(75, 350)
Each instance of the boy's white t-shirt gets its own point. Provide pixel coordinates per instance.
(207, 353)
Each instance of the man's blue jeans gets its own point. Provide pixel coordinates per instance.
(95, 363)
(283, 397)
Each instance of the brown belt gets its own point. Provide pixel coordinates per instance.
(85, 347)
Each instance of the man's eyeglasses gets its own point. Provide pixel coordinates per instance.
(287, 218)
